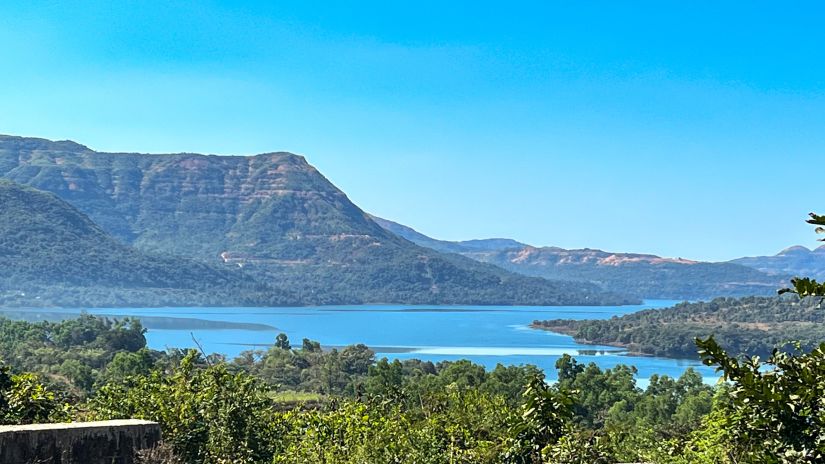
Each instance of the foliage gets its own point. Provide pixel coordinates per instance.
(341, 405)
(25, 400)
(207, 415)
(805, 286)
(545, 413)
(78, 353)
(776, 411)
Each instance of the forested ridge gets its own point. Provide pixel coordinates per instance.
(753, 326)
(55, 255)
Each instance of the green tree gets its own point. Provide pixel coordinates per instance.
(544, 419)
(386, 378)
(126, 364)
(310, 346)
(25, 400)
(282, 342)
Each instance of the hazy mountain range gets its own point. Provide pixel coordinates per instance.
(642, 275)
(272, 216)
(467, 246)
(796, 260)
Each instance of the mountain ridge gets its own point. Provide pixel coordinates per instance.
(276, 216)
(640, 274)
(445, 246)
(795, 260)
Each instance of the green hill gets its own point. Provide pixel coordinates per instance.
(744, 326)
(53, 254)
(275, 216)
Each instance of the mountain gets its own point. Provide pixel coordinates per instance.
(641, 275)
(275, 216)
(56, 254)
(468, 246)
(647, 276)
(796, 261)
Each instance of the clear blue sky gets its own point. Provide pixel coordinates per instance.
(692, 129)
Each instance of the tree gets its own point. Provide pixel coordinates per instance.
(545, 413)
(126, 364)
(310, 346)
(282, 342)
(386, 378)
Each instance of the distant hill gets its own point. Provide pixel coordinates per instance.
(59, 256)
(796, 261)
(468, 246)
(750, 326)
(275, 216)
(642, 275)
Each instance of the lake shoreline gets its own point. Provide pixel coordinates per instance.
(487, 335)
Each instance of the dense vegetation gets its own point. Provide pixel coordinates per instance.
(754, 326)
(307, 404)
(276, 216)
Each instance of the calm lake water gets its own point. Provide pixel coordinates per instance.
(487, 335)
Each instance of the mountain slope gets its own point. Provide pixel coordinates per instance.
(272, 214)
(49, 249)
(796, 260)
(645, 276)
(467, 246)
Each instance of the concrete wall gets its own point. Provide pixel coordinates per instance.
(108, 442)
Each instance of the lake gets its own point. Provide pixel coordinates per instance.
(487, 335)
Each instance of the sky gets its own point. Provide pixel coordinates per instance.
(684, 129)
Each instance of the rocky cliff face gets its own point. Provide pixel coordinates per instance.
(273, 214)
(192, 204)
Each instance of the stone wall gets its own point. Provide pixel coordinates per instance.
(107, 442)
